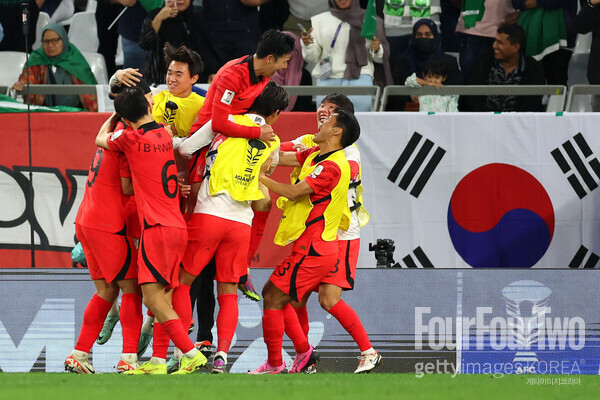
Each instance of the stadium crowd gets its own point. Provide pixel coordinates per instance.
(461, 37)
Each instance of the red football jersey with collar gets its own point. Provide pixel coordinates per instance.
(322, 185)
(232, 92)
(103, 204)
(149, 151)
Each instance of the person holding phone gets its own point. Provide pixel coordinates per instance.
(334, 38)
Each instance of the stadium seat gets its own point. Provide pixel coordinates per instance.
(43, 20)
(11, 66)
(98, 66)
(583, 43)
(578, 76)
(83, 32)
(91, 6)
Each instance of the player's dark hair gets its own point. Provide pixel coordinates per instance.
(185, 55)
(350, 127)
(435, 66)
(276, 43)
(516, 34)
(273, 98)
(116, 89)
(131, 104)
(340, 100)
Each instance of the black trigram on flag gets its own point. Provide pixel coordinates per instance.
(582, 260)
(583, 170)
(425, 151)
(417, 259)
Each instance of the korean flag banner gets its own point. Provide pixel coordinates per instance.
(513, 190)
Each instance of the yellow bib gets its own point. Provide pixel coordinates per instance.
(183, 117)
(237, 165)
(295, 213)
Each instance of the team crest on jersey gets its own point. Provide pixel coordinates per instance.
(317, 171)
(227, 97)
(116, 134)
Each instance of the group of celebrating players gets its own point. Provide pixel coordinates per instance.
(186, 198)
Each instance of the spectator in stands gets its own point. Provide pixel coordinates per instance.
(477, 27)
(335, 38)
(233, 27)
(301, 11)
(550, 34)
(507, 65)
(58, 10)
(425, 43)
(435, 73)
(588, 20)
(178, 24)
(11, 19)
(1, 33)
(292, 75)
(61, 63)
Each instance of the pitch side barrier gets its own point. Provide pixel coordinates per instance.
(557, 93)
(485, 321)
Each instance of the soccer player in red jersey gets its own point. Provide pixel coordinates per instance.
(342, 276)
(220, 225)
(313, 210)
(111, 258)
(149, 150)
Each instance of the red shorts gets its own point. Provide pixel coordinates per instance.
(109, 256)
(160, 252)
(226, 240)
(300, 273)
(345, 269)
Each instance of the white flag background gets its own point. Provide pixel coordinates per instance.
(559, 151)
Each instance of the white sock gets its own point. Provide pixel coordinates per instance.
(222, 354)
(129, 358)
(79, 354)
(147, 325)
(368, 351)
(177, 354)
(156, 360)
(191, 353)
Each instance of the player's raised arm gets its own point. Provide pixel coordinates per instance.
(105, 130)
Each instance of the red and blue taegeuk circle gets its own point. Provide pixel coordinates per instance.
(500, 216)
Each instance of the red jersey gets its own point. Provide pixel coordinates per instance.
(149, 151)
(232, 92)
(322, 183)
(103, 204)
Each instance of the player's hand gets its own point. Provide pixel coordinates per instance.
(171, 130)
(127, 3)
(184, 190)
(375, 44)
(264, 169)
(300, 147)
(307, 37)
(267, 134)
(18, 86)
(129, 76)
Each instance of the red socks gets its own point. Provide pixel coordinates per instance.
(294, 330)
(226, 320)
(130, 315)
(273, 328)
(303, 318)
(258, 229)
(93, 318)
(351, 323)
(174, 329)
(183, 305)
(160, 341)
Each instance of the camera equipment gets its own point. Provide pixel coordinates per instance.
(384, 253)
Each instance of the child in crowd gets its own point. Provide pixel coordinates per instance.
(435, 73)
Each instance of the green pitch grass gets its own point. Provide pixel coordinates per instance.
(290, 387)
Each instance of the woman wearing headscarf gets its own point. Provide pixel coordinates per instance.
(342, 56)
(425, 43)
(58, 62)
